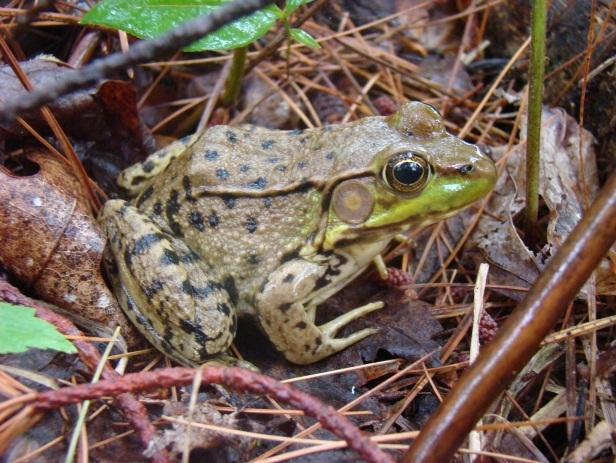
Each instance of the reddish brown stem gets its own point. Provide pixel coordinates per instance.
(239, 379)
(520, 336)
(134, 410)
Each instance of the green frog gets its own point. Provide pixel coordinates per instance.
(271, 223)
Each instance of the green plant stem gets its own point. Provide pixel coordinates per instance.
(535, 100)
(236, 74)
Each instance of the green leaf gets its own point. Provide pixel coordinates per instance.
(304, 37)
(293, 5)
(150, 18)
(21, 330)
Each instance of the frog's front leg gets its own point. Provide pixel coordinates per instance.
(170, 293)
(286, 313)
(136, 177)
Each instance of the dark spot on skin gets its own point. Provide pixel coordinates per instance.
(148, 166)
(273, 160)
(318, 341)
(258, 184)
(223, 308)
(188, 189)
(253, 259)
(289, 256)
(196, 220)
(267, 144)
(144, 196)
(233, 326)
(189, 258)
(301, 325)
(157, 208)
(229, 285)
(222, 173)
(267, 202)
(281, 168)
(213, 219)
(321, 282)
(301, 164)
(169, 257)
(244, 167)
(229, 201)
(211, 155)
(137, 180)
(303, 140)
(231, 136)
(251, 224)
(128, 258)
(329, 156)
(289, 278)
(145, 242)
(284, 307)
(153, 288)
(196, 292)
(306, 347)
(171, 209)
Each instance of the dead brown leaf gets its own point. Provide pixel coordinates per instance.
(52, 243)
(568, 184)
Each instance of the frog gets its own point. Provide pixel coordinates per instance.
(270, 223)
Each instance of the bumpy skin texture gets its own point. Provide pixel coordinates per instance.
(272, 223)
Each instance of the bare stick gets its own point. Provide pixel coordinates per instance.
(141, 52)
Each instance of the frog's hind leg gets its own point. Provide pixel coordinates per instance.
(289, 323)
(170, 293)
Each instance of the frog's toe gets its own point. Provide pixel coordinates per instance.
(331, 328)
(338, 344)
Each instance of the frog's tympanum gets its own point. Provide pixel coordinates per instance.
(272, 223)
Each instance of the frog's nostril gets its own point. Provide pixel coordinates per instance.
(466, 169)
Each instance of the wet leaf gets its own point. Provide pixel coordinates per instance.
(293, 5)
(151, 18)
(301, 36)
(52, 243)
(21, 330)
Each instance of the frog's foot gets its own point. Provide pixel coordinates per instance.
(169, 293)
(302, 342)
(332, 327)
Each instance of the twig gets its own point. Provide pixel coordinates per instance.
(141, 52)
(239, 379)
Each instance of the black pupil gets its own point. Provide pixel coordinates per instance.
(408, 172)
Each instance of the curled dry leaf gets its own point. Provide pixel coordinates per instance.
(52, 243)
(568, 184)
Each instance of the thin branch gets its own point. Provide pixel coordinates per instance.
(141, 52)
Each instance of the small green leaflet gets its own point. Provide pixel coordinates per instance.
(304, 37)
(21, 330)
(293, 5)
(151, 18)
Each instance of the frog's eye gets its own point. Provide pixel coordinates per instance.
(406, 172)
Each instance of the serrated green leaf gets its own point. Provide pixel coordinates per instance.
(292, 5)
(21, 330)
(150, 18)
(304, 37)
